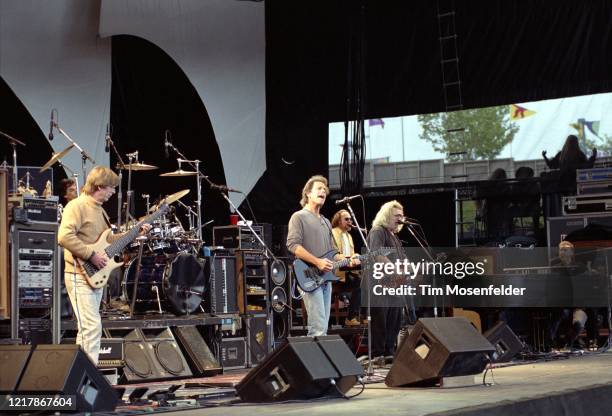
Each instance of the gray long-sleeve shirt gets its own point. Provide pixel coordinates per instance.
(311, 232)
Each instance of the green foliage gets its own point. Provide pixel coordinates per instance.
(487, 131)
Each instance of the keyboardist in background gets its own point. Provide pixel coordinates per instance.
(351, 280)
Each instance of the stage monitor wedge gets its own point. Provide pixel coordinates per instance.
(66, 369)
(505, 341)
(436, 348)
(301, 368)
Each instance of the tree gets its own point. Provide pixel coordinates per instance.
(486, 132)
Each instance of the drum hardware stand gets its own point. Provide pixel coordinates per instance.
(195, 164)
(84, 155)
(147, 202)
(14, 142)
(156, 290)
(141, 241)
(190, 214)
(121, 168)
(369, 371)
(130, 193)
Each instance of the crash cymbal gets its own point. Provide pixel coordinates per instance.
(174, 197)
(56, 156)
(137, 166)
(170, 199)
(179, 172)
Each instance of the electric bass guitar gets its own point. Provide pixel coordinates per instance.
(310, 278)
(97, 278)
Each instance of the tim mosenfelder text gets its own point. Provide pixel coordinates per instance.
(459, 270)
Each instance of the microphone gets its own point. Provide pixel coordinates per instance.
(408, 221)
(107, 138)
(365, 230)
(347, 199)
(51, 124)
(166, 144)
(224, 188)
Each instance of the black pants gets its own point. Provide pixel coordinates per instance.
(353, 283)
(386, 324)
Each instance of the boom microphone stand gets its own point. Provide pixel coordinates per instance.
(369, 371)
(84, 155)
(427, 249)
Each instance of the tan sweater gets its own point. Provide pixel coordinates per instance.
(83, 220)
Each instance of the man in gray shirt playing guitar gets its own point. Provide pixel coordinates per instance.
(310, 239)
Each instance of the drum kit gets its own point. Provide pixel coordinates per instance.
(164, 272)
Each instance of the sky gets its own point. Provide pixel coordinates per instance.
(546, 130)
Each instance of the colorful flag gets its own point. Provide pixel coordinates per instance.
(376, 122)
(517, 112)
(593, 126)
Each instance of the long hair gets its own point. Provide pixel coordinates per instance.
(308, 187)
(337, 217)
(571, 151)
(98, 177)
(384, 216)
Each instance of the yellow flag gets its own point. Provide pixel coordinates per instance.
(518, 113)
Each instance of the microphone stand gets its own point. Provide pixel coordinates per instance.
(369, 371)
(427, 251)
(121, 168)
(14, 142)
(84, 155)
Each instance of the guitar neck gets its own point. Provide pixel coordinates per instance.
(345, 262)
(118, 246)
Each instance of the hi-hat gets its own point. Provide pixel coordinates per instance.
(170, 199)
(137, 166)
(180, 172)
(56, 156)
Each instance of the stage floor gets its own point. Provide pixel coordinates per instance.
(541, 387)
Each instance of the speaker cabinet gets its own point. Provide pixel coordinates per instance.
(13, 361)
(66, 369)
(439, 347)
(506, 343)
(153, 356)
(201, 359)
(302, 368)
(258, 337)
(280, 298)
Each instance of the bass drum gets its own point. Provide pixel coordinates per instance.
(178, 280)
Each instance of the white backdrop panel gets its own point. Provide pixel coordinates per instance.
(51, 57)
(220, 45)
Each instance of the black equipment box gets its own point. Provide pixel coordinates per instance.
(587, 204)
(238, 237)
(41, 209)
(233, 353)
(112, 352)
(589, 188)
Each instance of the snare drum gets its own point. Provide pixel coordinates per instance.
(176, 281)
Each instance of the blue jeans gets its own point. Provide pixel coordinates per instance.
(318, 305)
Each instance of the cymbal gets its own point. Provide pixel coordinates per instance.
(179, 172)
(56, 156)
(137, 166)
(170, 199)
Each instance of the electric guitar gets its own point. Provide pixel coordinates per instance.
(310, 278)
(97, 278)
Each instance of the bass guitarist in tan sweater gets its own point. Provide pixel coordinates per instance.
(83, 221)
